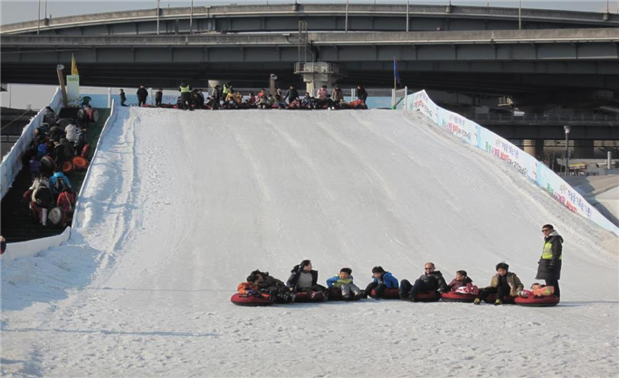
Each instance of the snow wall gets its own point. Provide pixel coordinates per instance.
(12, 162)
(484, 139)
(79, 205)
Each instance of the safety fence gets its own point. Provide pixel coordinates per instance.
(484, 139)
(12, 162)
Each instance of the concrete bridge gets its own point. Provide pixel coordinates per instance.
(494, 62)
(320, 18)
(474, 50)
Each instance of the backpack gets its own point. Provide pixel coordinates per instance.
(65, 202)
(61, 185)
(43, 196)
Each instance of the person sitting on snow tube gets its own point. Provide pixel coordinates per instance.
(303, 279)
(251, 287)
(503, 284)
(432, 280)
(274, 286)
(382, 281)
(538, 290)
(344, 282)
(463, 284)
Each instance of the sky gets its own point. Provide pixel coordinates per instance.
(26, 10)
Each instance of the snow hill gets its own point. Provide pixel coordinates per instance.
(181, 206)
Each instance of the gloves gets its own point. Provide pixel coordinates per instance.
(251, 292)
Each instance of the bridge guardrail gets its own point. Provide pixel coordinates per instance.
(484, 139)
(541, 118)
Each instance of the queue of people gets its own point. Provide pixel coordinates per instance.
(227, 97)
(50, 158)
(504, 285)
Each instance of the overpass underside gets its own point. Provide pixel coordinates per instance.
(490, 62)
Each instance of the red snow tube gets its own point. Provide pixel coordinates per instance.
(67, 167)
(492, 298)
(452, 296)
(387, 294)
(80, 163)
(547, 301)
(251, 301)
(432, 296)
(305, 297)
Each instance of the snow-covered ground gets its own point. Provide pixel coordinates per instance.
(181, 206)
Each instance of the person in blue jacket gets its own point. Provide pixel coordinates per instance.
(382, 280)
(59, 183)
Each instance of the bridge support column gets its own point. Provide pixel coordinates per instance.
(534, 147)
(583, 149)
(317, 74)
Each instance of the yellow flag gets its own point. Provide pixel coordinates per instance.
(73, 66)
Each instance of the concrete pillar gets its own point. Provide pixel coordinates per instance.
(317, 74)
(534, 147)
(583, 149)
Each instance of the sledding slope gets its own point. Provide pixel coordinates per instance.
(181, 206)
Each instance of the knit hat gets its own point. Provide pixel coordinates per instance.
(502, 265)
(346, 270)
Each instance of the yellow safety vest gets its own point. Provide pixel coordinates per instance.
(547, 252)
(185, 89)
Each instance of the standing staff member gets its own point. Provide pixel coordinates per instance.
(185, 90)
(549, 267)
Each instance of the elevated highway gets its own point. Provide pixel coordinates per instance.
(320, 18)
(487, 61)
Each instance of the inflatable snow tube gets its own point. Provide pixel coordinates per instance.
(303, 297)
(492, 298)
(47, 164)
(452, 296)
(387, 294)
(432, 296)
(80, 163)
(547, 301)
(67, 167)
(251, 301)
(57, 217)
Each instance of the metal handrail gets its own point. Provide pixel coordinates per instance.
(544, 118)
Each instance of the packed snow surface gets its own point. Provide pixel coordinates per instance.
(181, 206)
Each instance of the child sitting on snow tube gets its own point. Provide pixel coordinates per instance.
(303, 279)
(463, 284)
(506, 285)
(538, 290)
(343, 282)
(382, 281)
(461, 289)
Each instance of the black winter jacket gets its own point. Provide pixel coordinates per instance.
(296, 272)
(435, 281)
(551, 269)
(142, 93)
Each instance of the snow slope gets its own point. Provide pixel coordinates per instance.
(181, 206)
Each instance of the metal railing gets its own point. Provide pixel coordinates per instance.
(606, 119)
